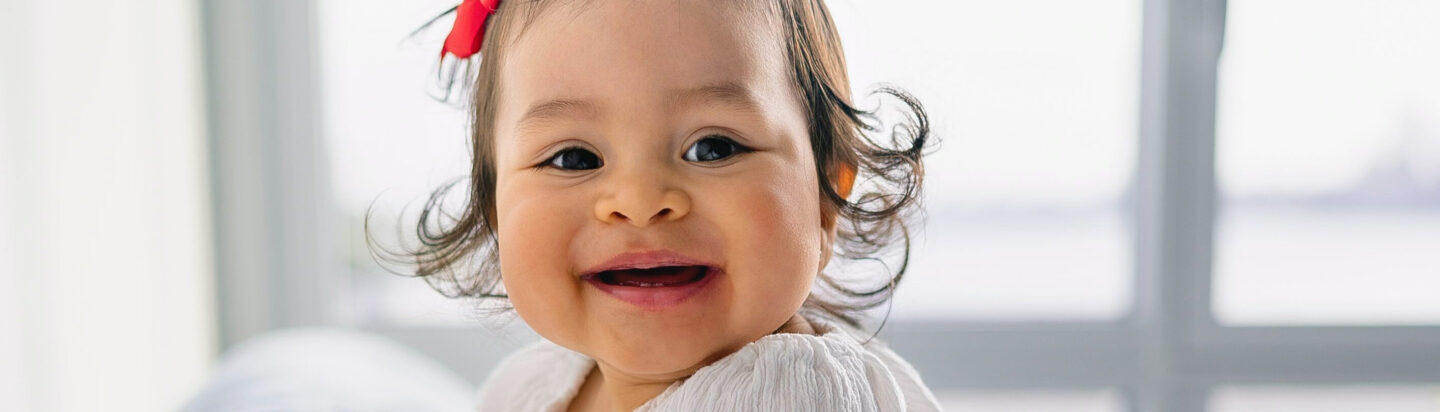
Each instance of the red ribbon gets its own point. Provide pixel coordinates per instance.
(469, 30)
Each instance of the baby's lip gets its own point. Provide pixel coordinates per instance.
(646, 260)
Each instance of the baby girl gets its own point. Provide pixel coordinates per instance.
(657, 189)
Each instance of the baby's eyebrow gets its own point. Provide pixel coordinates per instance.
(730, 94)
(557, 109)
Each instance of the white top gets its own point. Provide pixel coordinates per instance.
(780, 372)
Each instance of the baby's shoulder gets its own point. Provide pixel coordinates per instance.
(542, 376)
(834, 370)
(914, 394)
(917, 396)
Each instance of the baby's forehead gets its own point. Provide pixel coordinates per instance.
(655, 23)
(756, 11)
(639, 48)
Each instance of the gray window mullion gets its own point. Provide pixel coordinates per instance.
(1176, 188)
(1055, 355)
(270, 199)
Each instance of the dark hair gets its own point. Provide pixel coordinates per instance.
(458, 256)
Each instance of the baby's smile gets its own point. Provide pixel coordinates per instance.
(653, 280)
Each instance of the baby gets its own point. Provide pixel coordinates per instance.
(656, 186)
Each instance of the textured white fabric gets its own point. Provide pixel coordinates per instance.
(780, 372)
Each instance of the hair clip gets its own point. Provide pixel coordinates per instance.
(469, 31)
(462, 42)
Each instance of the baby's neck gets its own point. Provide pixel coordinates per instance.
(601, 392)
(797, 324)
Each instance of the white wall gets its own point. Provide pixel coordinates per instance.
(106, 296)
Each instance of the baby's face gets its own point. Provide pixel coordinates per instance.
(629, 127)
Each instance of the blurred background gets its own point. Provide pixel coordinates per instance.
(1139, 205)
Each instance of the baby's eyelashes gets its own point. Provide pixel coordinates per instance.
(575, 158)
(712, 148)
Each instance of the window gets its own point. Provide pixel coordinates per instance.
(1328, 147)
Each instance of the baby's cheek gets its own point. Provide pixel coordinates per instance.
(782, 249)
(534, 234)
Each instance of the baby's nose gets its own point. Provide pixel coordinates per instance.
(642, 201)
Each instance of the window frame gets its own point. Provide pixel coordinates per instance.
(274, 237)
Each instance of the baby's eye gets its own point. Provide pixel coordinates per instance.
(575, 159)
(713, 148)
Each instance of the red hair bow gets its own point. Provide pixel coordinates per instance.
(469, 30)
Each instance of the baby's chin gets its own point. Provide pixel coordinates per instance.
(665, 358)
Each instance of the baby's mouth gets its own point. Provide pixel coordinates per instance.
(656, 288)
(662, 276)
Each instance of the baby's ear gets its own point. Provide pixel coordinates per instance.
(844, 179)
